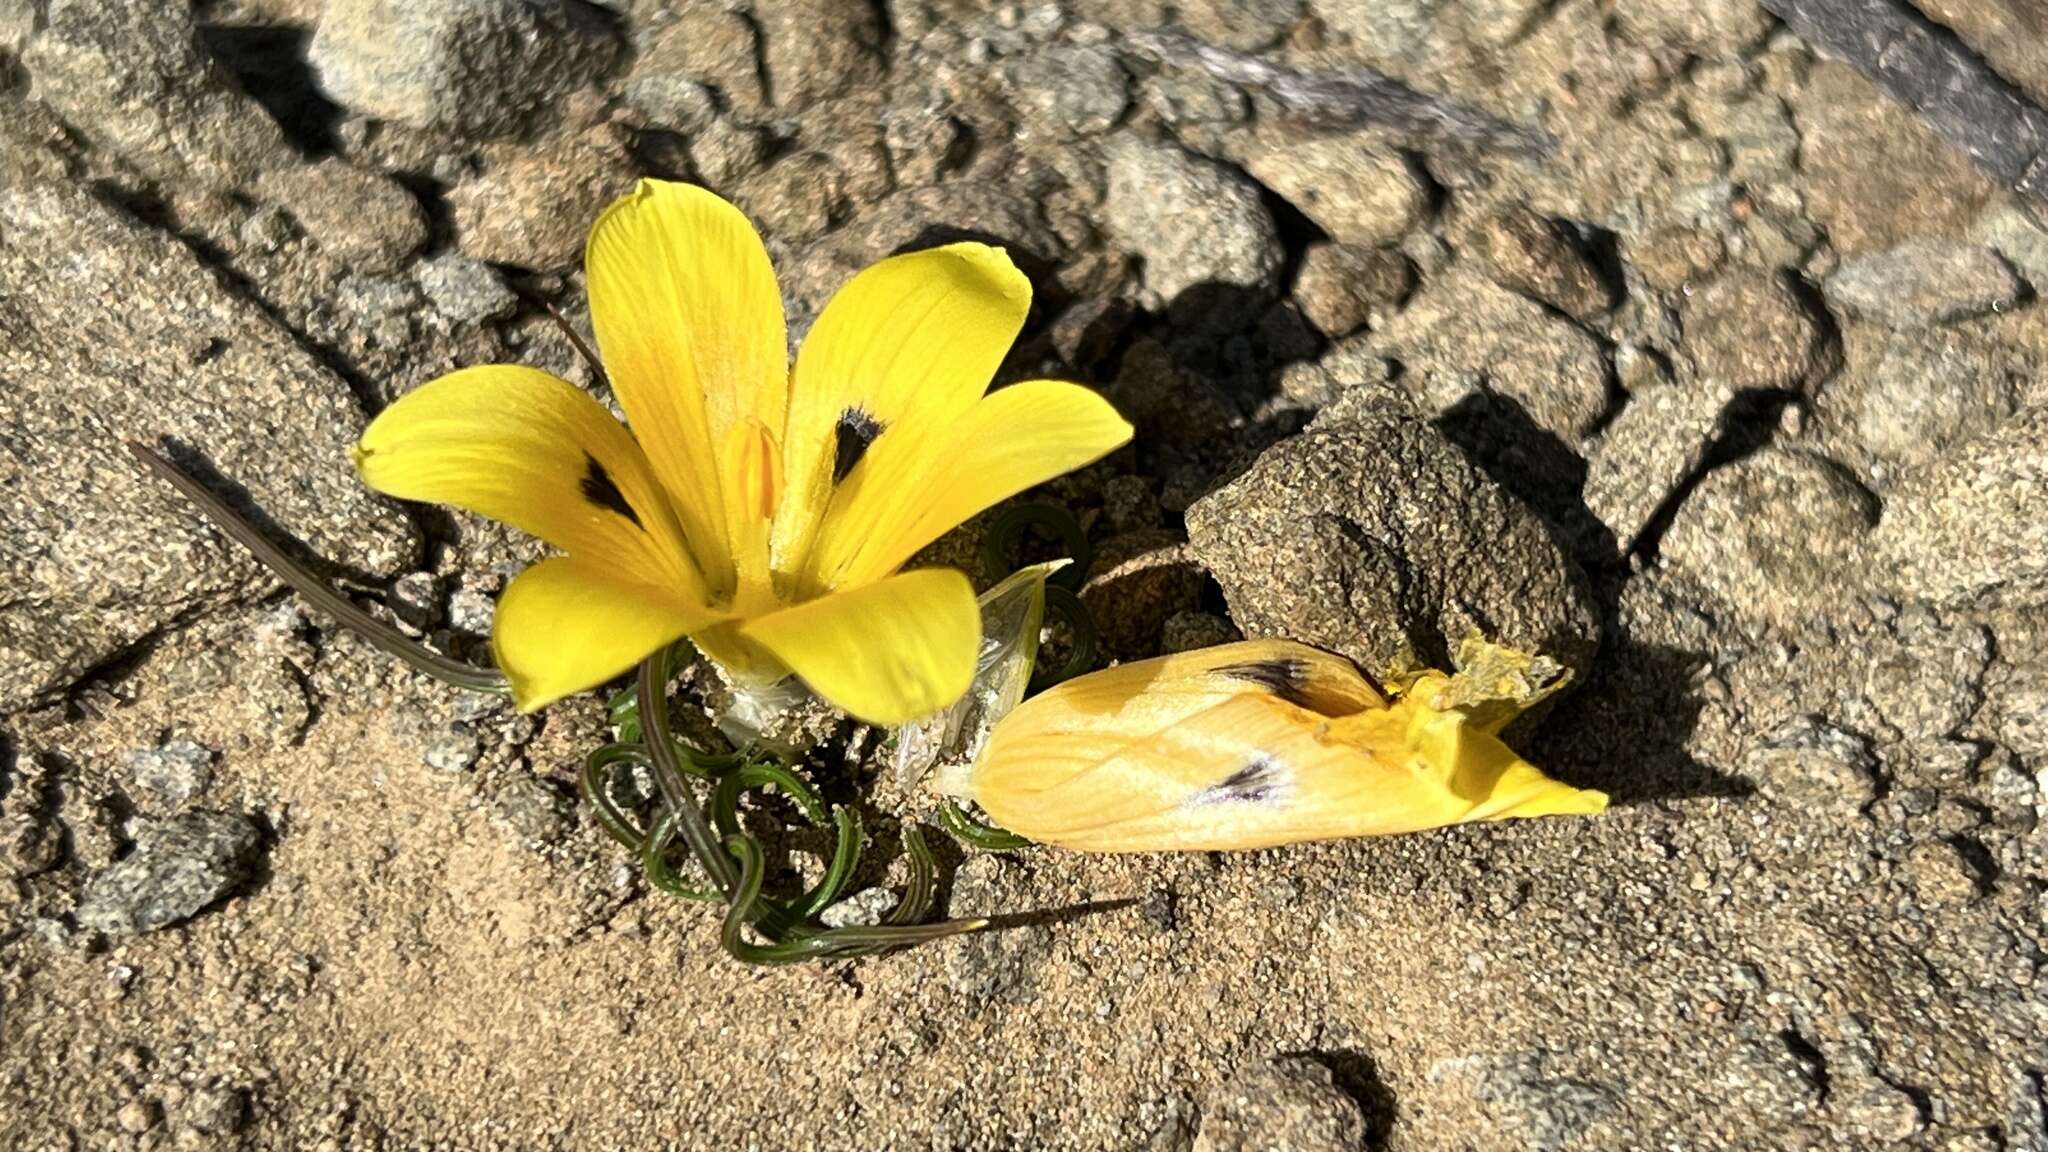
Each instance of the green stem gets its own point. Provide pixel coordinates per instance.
(668, 775)
(1006, 536)
(986, 837)
(654, 860)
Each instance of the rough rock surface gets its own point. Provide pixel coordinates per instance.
(1341, 286)
(1371, 536)
(98, 555)
(477, 67)
(1974, 522)
(1812, 918)
(178, 867)
(1533, 256)
(1292, 1102)
(1193, 222)
(132, 75)
(1463, 334)
(1931, 391)
(1751, 331)
(1358, 193)
(1648, 450)
(1923, 282)
(1775, 534)
(532, 208)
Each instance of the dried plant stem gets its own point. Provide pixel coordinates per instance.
(316, 590)
(1347, 97)
(1923, 66)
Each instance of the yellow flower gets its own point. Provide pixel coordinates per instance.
(759, 509)
(1260, 743)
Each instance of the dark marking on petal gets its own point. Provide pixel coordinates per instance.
(598, 488)
(1286, 678)
(1258, 782)
(856, 431)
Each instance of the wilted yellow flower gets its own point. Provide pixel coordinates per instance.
(1260, 743)
(761, 510)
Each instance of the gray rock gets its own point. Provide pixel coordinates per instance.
(1762, 143)
(1342, 286)
(1243, 25)
(465, 290)
(176, 772)
(1972, 522)
(1188, 99)
(1353, 189)
(138, 1116)
(2021, 705)
(2007, 33)
(19, 20)
(1924, 187)
(1709, 27)
(2016, 233)
(1076, 89)
(1192, 221)
(361, 219)
(865, 907)
(1876, 1108)
(533, 207)
(1774, 535)
(819, 49)
(31, 838)
(1000, 965)
(1289, 1102)
(214, 1110)
(476, 68)
(1923, 282)
(1658, 440)
(704, 51)
(724, 153)
(1933, 390)
(471, 610)
(924, 143)
(1812, 764)
(1320, 543)
(1528, 254)
(533, 811)
(795, 198)
(97, 555)
(178, 867)
(1749, 330)
(132, 77)
(452, 749)
(1463, 334)
(1187, 631)
(1130, 504)
(1136, 582)
(1533, 1106)
(1387, 32)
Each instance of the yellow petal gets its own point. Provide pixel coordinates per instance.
(897, 355)
(568, 624)
(885, 653)
(1152, 695)
(689, 322)
(536, 452)
(913, 491)
(1145, 758)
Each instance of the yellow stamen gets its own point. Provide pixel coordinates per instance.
(753, 491)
